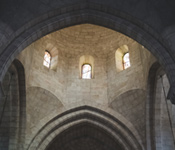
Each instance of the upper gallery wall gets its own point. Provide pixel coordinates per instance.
(112, 85)
(149, 23)
(66, 46)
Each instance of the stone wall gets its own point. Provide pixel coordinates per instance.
(134, 77)
(40, 76)
(127, 88)
(12, 112)
(131, 105)
(123, 91)
(24, 22)
(40, 103)
(163, 123)
(87, 89)
(70, 44)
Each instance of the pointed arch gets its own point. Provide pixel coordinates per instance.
(86, 114)
(13, 115)
(94, 14)
(159, 128)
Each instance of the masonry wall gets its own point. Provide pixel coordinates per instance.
(5, 120)
(163, 130)
(94, 90)
(134, 77)
(40, 76)
(52, 89)
(13, 108)
(15, 20)
(127, 88)
(41, 103)
(71, 44)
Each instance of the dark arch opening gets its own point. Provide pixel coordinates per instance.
(84, 136)
(90, 114)
(13, 114)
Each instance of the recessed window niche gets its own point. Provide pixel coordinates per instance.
(121, 56)
(86, 67)
(51, 59)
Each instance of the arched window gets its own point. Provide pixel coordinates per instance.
(126, 61)
(122, 58)
(86, 71)
(47, 59)
(86, 67)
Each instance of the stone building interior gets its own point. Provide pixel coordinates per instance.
(87, 75)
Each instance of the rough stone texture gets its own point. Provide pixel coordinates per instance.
(13, 109)
(164, 138)
(95, 13)
(84, 137)
(148, 22)
(88, 39)
(168, 116)
(39, 75)
(159, 110)
(40, 103)
(156, 17)
(81, 113)
(108, 86)
(120, 82)
(131, 104)
(5, 120)
(71, 43)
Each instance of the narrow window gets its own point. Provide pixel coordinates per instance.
(86, 71)
(47, 59)
(126, 61)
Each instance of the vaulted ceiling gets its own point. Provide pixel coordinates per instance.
(85, 39)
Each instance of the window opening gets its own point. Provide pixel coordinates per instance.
(126, 61)
(86, 71)
(47, 59)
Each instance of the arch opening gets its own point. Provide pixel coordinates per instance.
(84, 91)
(85, 115)
(84, 136)
(101, 18)
(13, 110)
